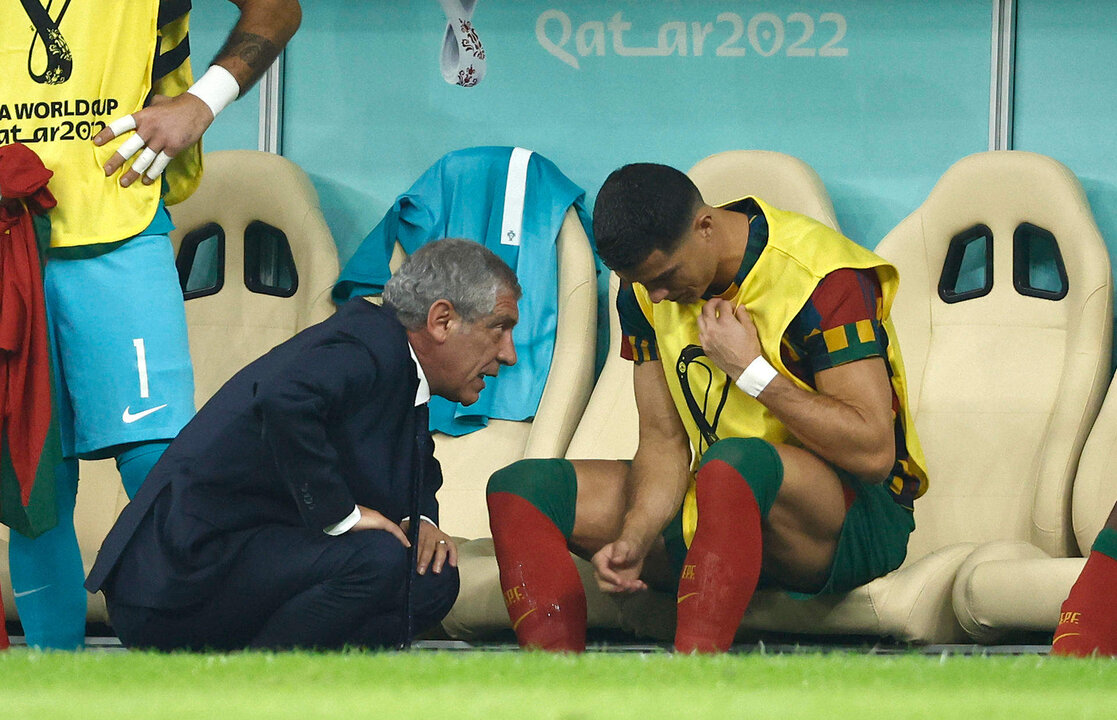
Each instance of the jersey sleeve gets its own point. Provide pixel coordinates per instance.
(841, 322)
(638, 342)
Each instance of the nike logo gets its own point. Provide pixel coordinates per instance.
(130, 417)
(29, 592)
(684, 597)
(1064, 635)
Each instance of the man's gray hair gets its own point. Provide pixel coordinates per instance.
(464, 272)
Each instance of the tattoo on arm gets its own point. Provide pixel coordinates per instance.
(256, 51)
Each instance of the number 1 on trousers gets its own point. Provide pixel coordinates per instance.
(141, 365)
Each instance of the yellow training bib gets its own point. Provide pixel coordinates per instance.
(799, 253)
(68, 69)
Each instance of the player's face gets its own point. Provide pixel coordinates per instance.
(681, 276)
(476, 350)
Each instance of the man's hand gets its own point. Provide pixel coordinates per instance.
(617, 567)
(435, 548)
(162, 130)
(728, 336)
(372, 520)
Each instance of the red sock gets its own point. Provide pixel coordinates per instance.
(1088, 621)
(542, 589)
(723, 564)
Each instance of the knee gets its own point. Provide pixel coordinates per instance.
(527, 478)
(550, 485)
(439, 593)
(756, 461)
(377, 564)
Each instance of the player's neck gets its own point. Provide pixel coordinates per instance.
(732, 239)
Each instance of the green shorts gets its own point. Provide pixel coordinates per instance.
(873, 541)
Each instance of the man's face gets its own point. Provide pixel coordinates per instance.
(476, 350)
(681, 276)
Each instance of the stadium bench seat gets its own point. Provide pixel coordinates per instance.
(608, 428)
(1004, 385)
(468, 460)
(1007, 352)
(1004, 317)
(1009, 589)
(260, 262)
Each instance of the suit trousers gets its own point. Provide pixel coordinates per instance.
(294, 587)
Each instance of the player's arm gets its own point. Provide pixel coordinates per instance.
(259, 36)
(657, 482)
(170, 125)
(848, 422)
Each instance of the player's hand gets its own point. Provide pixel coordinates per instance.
(436, 548)
(372, 520)
(728, 336)
(160, 131)
(617, 567)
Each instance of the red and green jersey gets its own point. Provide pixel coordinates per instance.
(842, 321)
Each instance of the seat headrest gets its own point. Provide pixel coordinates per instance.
(782, 180)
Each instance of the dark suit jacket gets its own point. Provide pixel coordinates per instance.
(321, 423)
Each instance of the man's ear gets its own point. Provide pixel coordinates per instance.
(704, 222)
(441, 318)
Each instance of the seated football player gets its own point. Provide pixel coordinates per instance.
(775, 441)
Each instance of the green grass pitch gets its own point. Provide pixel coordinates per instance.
(426, 685)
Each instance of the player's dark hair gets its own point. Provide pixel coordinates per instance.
(641, 208)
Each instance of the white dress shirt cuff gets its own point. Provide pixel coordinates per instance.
(421, 517)
(345, 525)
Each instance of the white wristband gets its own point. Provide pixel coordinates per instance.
(756, 376)
(217, 88)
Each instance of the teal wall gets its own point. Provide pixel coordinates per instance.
(901, 93)
(904, 94)
(238, 128)
(1066, 96)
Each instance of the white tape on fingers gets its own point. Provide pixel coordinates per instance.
(158, 166)
(131, 146)
(122, 125)
(144, 160)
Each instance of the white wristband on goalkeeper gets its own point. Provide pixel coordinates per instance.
(217, 88)
(756, 376)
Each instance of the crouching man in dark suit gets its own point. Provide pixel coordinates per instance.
(276, 519)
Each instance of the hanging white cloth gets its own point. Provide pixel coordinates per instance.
(514, 191)
(463, 56)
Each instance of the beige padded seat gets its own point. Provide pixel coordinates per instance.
(608, 427)
(1004, 386)
(232, 327)
(468, 460)
(235, 326)
(1011, 587)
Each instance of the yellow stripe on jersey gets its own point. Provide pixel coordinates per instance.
(865, 330)
(835, 339)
